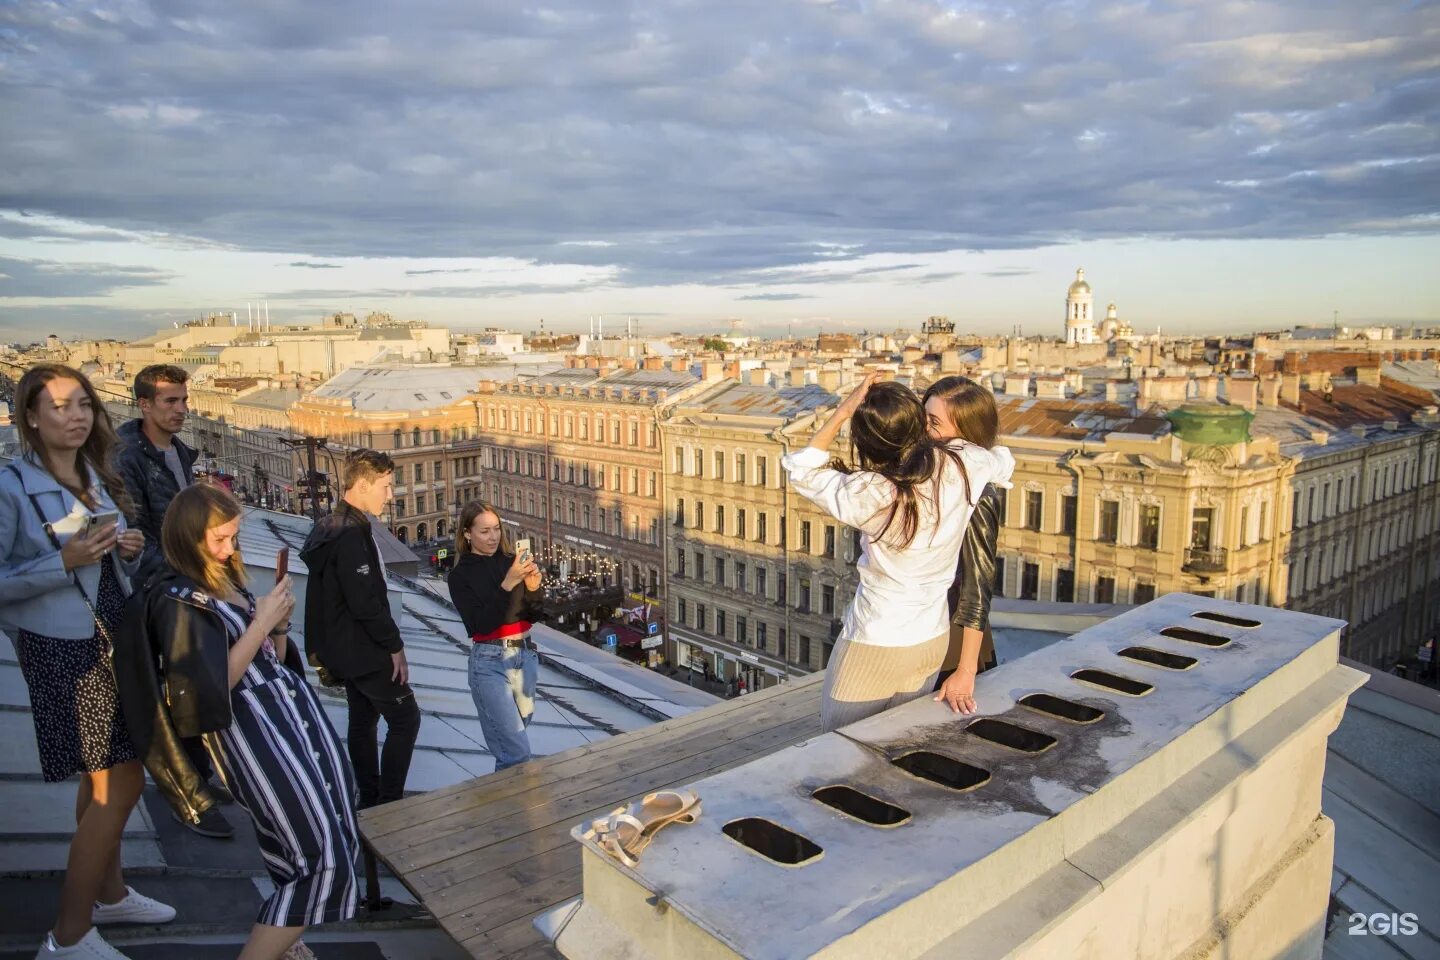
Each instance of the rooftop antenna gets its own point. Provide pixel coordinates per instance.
(267, 314)
(1335, 325)
(249, 319)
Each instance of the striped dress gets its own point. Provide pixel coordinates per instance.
(284, 763)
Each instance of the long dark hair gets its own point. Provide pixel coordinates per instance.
(888, 436)
(472, 510)
(97, 450)
(971, 408)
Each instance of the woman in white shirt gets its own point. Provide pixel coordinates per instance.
(911, 499)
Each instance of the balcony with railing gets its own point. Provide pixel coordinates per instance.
(1207, 561)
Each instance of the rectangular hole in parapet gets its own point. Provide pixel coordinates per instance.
(1064, 709)
(1225, 618)
(861, 806)
(946, 771)
(1194, 636)
(1113, 681)
(772, 841)
(1011, 735)
(1158, 658)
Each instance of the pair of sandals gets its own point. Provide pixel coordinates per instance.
(627, 831)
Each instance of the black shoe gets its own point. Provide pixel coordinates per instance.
(212, 824)
(219, 792)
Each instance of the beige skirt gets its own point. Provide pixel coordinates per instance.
(863, 679)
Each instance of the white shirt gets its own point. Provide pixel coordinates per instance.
(900, 600)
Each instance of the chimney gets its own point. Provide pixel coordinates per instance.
(758, 377)
(1368, 374)
(1242, 391)
(679, 365)
(1319, 437)
(732, 370)
(1290, 387)
(628, 363)
(1144, 392)
(654, 363)
(712, 370)
(1270, 390)
(1391, 426)
(1207, 388)
(797, 376)
(1017, 384)
(829, 379)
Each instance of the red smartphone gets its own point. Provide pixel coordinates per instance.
(282, 563)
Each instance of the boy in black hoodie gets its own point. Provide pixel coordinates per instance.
(349, 630)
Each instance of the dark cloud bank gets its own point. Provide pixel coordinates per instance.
(687, 142)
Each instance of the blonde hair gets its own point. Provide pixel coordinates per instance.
(194, 512)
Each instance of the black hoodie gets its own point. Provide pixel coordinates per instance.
(348, 626)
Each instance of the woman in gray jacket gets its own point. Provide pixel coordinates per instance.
(65, 562)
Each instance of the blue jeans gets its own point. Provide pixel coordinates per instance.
(502, 681)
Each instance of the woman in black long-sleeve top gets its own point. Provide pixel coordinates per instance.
(496, 593)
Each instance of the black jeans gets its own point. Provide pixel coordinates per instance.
(381, 776)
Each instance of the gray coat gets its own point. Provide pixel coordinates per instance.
(36, 594)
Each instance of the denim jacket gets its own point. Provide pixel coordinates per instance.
(36, 594)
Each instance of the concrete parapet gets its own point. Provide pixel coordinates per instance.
(1149, 788)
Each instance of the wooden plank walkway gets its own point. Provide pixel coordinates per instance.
(488, 855)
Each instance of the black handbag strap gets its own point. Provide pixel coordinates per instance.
(74, 577)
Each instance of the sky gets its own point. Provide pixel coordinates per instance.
(1214, 165)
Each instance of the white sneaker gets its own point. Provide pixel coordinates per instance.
(135, 908)
(92, 946)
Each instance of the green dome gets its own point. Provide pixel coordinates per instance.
(1211, 423)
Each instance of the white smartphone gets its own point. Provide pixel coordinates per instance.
(98, 521)
(522, 549)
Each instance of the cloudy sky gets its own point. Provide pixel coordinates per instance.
(1213, 164)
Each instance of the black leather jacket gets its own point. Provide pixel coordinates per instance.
(348, 626)
(974, 584)
(172, 671)
(149, 482)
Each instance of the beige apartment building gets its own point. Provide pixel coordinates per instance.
(424, 416)
(758, 577)
(573, 459)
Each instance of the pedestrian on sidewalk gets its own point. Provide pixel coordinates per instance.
(235, 679)
(350, 631)
(497, 592)
(156, 465)
(66, 558)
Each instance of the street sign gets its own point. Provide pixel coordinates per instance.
(650, 643)
(442, 553)
(652, 628)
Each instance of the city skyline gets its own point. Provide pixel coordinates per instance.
(833, 165)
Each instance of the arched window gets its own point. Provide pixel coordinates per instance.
(439, 529)
(415, 437)
(402, 534)
(422, 533)
(396, 440)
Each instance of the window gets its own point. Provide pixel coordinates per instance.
(699, 565)
(827, 599)
(1065, 585)
(634, 434)
(1144, 592)
(804, 649)
(740, 523)
(1034, 509)
(1310, 507)
(1004, 505)
(650, 488)
(1105, 590)
(680, 512)
(1200, 527)
(739, 576)
(680, 568)
(740, 474)
(829, 540)
(1325, 498)
(742, 630)
(760, 520)
(719, 622)
(720, 519)
(782, 588)
(679, 460)
(419, 473)
(419, 503)
(761, 587)
(1295, 512)
(719, 572)
(1245, 525)
(719, 465)
(438, 470)
(699, 462)
(1030, 581)
(700, 619)
(1109, 521)
(1067, 514)
(760, 635)
(804, 536)
(680, 610)
(804, 605)
(615, 432)
(699, 514)
(1150, 526)
(782, 648)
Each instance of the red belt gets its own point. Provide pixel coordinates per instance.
(517, 629)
